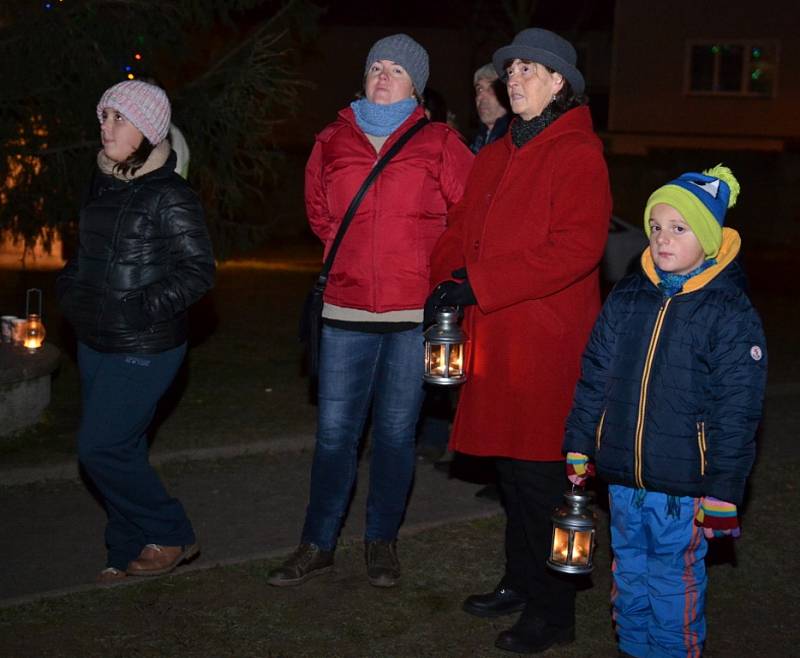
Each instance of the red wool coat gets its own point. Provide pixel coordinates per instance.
(530, 229)
(383, 263)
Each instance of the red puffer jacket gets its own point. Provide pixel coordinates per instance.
(383, 263)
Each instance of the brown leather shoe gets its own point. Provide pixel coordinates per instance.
(110, 575)
(383, 567)
(307, 561)
(156, 560)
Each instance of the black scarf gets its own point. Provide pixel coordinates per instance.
(523, 131)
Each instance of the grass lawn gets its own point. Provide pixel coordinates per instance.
(231, 611)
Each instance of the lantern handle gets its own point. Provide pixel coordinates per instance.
(28, 301)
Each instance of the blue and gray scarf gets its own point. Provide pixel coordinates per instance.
(382, 120)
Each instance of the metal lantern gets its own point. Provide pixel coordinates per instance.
(444, 349)
(34, 332)
(573, 534)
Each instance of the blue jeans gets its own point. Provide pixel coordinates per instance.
(356, 369)
(120, 393)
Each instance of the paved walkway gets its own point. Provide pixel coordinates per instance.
(243, 507)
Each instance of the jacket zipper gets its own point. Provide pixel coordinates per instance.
(599, 431)
(701, 444)
(648, 365)
(114, 245)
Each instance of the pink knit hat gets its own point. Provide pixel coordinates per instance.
(144, 105)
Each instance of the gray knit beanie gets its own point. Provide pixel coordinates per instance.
(403, 50)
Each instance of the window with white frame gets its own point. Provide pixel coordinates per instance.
(732, 68)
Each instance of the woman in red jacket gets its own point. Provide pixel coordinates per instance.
(372, 348)
(524, 245)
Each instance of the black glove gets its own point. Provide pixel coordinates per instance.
(435, 301)
(461, 295)
(449, 293)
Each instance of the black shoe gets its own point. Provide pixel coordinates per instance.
(443, 466)
(430, 454)
(307, 561)
(383, 567)
(502, 601)
(533, 636)
(489, 492)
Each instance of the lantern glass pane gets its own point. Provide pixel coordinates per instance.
(456, 360)
(582, 547)
(436, 359)
(34, 333)
(560, 547)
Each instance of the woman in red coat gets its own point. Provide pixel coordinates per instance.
(523, 246)
(371, 353)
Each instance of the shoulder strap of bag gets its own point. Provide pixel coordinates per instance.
(322, 280)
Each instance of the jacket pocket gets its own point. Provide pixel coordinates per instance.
(701, 445)
(134, 311)
(598, 433)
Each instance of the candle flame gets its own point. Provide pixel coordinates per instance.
(456, 360)
(32, 344)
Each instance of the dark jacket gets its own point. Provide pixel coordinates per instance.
(144, 257)
(671, 389)
(485, 137)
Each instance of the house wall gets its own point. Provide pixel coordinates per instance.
(647, 78)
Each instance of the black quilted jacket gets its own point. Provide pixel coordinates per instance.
(144, 257)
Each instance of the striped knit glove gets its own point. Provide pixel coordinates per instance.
(578, 468)
(717, 518)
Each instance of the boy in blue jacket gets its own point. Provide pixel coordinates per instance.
(667, 407)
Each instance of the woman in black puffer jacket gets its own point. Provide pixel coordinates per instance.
(144, 258)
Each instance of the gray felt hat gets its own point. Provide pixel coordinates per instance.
(543, 47)
(406, 52)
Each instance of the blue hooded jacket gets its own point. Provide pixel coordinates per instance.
(672, 388)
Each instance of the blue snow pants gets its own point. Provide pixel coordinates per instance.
(659, 573)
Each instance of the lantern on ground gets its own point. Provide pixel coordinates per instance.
(573, 534)
(444, 349)
(34, 332)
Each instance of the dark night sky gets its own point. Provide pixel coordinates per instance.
(553, 14)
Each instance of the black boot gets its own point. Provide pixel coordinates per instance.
(533, 635)
(501, 601)
(383, 567)
(308, 561)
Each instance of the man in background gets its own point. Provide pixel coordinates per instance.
(491, 102)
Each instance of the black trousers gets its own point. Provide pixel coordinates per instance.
(531, 491)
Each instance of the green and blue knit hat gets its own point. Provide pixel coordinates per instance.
(702, 199)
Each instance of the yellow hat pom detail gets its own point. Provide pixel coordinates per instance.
(725, 174)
